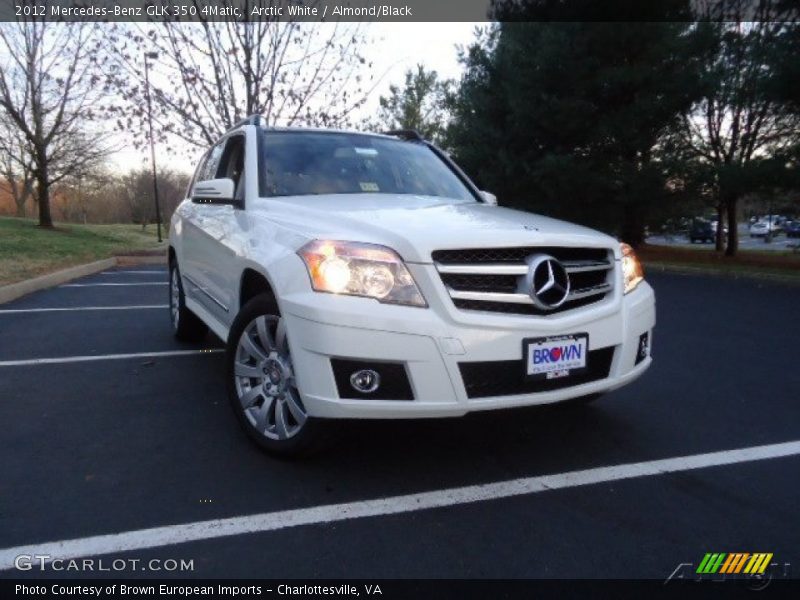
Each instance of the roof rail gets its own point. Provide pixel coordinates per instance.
(251, 120)
(406, 134)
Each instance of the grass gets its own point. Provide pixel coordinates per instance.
(27, 250)
(772, 264)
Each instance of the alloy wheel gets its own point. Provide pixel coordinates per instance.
(265, 381)
(174, 298)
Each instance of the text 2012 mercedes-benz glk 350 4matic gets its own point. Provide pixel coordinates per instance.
(365, 276)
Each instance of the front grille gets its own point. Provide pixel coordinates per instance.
(515, 255)
(482, 283)
(507, 377)
(493, 279)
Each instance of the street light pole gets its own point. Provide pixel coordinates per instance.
(153, 55)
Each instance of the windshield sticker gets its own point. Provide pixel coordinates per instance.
(367, 151)
(368, 186)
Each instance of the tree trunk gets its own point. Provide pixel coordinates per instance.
(733, 230)
(720, 229)
(20, 198)
(20, 195)
(43, 194)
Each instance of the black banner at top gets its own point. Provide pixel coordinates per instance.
(397, 11)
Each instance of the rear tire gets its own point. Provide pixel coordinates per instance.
(186, 326)
(261, 383)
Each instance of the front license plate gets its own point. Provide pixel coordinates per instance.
(552, 357)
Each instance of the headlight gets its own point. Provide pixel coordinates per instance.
(357, 269)
(632, 271)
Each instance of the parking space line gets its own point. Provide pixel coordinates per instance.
(90, 358)
(161, 272)
(75, 285)
(11, 311)
(217, 528)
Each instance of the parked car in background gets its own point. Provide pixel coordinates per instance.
(764, 227)
(704, 230)
(792, 228)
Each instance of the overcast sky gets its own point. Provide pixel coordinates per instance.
(397, 47)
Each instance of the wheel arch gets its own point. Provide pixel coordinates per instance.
(251, 284)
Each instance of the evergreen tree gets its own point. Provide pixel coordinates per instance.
(565, 118)
(419, 104)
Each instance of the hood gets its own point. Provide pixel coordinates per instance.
(415, 226)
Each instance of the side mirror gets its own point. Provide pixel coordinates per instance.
(214, 191)
(489, 198)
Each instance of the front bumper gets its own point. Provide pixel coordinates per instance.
(431, 343)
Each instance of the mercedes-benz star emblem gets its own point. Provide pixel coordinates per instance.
(547, 281)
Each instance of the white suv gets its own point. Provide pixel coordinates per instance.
(365, 276)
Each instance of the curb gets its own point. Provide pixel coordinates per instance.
(686, 270)
(128, 261)
(23, 288)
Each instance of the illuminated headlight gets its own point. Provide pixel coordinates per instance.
(357, 269)
(632, 271)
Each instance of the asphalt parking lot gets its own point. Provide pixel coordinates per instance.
(110, 426)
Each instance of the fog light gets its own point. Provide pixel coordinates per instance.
(365, 381)
(644, 347)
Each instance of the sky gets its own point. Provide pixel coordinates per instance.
(397, 47)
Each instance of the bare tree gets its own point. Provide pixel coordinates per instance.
(134, 192)
(211, 74)
(82, 189)
(50, 90)
(16, 165)
(738, 126)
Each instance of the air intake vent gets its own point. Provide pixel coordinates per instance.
(507, 377)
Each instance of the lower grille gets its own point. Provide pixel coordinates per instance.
(507, 377)
(498, 280)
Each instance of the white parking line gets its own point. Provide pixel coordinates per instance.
(9, 311)
(113, 284)
(217, 528)
(161, 272)
(90, 358)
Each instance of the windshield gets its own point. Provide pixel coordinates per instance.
(309, 163)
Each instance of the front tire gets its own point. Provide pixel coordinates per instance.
(261, 382)
(186, 326)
